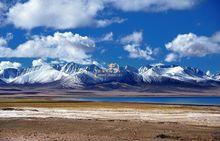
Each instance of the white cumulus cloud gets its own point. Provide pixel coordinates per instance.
(136, 52)
(66, 14)
(1, 6)
(3, 42)
(64, 46)
(152, 5)
(171, 57)
(191, 45)
(107, 22)
(132, 44)
(59, 14)
(38, 62)
(107, 37)
(8, 64)
(135, 37)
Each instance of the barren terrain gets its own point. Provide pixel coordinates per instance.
(84, 121)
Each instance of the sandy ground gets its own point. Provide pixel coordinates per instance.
(93, 121)
(53, 129)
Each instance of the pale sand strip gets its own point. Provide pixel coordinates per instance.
(191, 117)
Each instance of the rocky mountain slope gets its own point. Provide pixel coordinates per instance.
(73, 75)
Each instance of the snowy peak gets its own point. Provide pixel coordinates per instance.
(82, 75)
(40, 74)
(71, 68)
(217, 76)
(162, 73)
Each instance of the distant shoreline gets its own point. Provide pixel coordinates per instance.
(150, 100)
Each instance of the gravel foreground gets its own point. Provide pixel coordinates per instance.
(91, 121)
(54, 129)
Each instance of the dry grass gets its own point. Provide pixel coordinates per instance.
(107, 105)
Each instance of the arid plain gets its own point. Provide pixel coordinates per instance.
(36, 114)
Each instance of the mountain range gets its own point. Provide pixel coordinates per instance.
(73, 75)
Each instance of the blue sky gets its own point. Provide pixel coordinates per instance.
(147, 32)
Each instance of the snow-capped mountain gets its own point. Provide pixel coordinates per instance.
(173, 73)
(217, 76)
(77, 75)
(40, 74)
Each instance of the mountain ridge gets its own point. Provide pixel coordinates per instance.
(73, 75)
